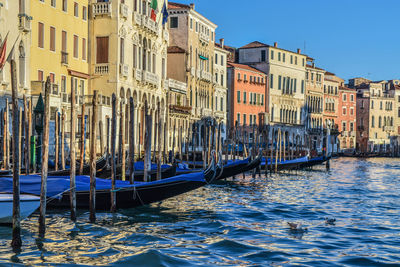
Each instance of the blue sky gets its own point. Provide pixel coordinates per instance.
(351, 38)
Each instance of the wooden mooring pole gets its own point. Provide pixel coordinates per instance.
(82, 144)
(122, 141)
(45, 160)
(131, 141)
(16, 242)
(112, 158)
(159, 141)
(147, 144)
(56, 142)
(72, 192)
(93, 142)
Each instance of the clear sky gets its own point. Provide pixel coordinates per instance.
(352, 38)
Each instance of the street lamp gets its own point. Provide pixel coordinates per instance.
(39, 112)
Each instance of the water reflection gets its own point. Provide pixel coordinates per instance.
(240, 223)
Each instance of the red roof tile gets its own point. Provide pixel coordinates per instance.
(172, 5)
(255, 44)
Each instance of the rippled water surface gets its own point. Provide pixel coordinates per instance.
(238, 223)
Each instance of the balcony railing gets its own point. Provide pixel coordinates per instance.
(149, 24)
(150, 78)
(138, 74)
(180, 109)
(204, 37)
(101, 69)
(345, 133)
(64, 58)
(24, 22)
(101, 8)
(124, 10)
(181, 86)
(204, 75)
(388, 128)
(137, 18)
(124, 69)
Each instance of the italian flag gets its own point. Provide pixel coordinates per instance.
(153, 6)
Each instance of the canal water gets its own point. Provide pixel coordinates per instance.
(239, 223)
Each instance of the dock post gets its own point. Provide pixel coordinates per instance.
(101, 134)
(122, 141)
(112, 158)
(82, 144)
(147, 145)
(16, 242)
(93, 141)
(159, 141)
(56, 140)
(72, 156)
(45, 159)
(62, 137)
(27, 136)
(131, 141)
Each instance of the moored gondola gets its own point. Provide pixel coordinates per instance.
(100, 164)
(237, 167)
(313, 161)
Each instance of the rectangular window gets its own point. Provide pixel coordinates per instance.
(121, 49)
(283, 57)
(272, 81)
(302, 86)
(173, 22)
(351, 111)
(295, 60)
(262, 100)
(344, 126)
(279, 56)
(84, 13)
(279, 82)
(83, 48)
(272, 54)
(295, 85)
(40, 75)
(64, 41)
(64, 5)
(134, 56)
(244, 119)
(53, 3)
(222, 79)
(303, 62)
(263, 56)
(101, 50)
(76, 44)
(216, 59)
(244, 97)
(352, 98)
(76, 7)
(291, 59)
(351, 126)
(52, 77)
(238, 118)
(222, 60)
(238, 96)
(63, 84)
(41, 35)
(191, 24)
(52, 39)
(344, 97)
(238, 76)
(344, 111)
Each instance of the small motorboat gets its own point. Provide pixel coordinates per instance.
(28, 204)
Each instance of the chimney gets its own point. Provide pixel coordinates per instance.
(192, 6)
(298, 51)
(221, 42)
(275, 44)
(313, 65)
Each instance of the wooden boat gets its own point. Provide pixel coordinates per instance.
(28, 204)
(100, 164)
(165, 173)
(140, 193)
(240, 166)
(313, 161)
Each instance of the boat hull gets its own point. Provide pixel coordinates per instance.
(28, 204)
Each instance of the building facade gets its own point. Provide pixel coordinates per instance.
(59, 49)
(314, 106)
(347, 118)
(194, 33)
(15, 25)
(129, 58)
(286, 73)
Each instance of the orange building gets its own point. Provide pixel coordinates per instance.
(347, 118)
(247, 94)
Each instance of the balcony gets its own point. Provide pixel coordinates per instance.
(64, 58)
(124, 70)
(149, 24)
(138, 74)
(177, 85)
(24, 24)
(150, 78)
(204, 37)
(137, 18)
(352, 133)
(180, 109)
(206, 112)
(345, 134)
(388, 128)
(101, 69)
(101, 8)
(204, 75)
(124, 10)
(165, 85)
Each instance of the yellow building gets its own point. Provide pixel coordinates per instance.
(59, 49)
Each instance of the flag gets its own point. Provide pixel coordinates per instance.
(164, 14)
(11, 53)
(3, 50)
(153, 6)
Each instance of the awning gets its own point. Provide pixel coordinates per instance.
(202, 57)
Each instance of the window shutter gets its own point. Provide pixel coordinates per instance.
(102, 50)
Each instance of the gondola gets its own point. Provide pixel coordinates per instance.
(287, 165)
(313, 161)
(236, 167)
(127, 195)
(166, 172)
(100, 164)
(141, 193)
